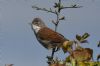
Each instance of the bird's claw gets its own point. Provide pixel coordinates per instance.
(50, 59)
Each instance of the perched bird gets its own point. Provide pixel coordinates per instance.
(47, 37)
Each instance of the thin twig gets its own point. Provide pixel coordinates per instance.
(72, 7)
(58, 13)
(57, 22)
(43, 9)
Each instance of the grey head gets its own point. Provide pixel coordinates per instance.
(38, 22)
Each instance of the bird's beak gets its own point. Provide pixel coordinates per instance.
(30, 25)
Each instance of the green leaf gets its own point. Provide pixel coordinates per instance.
(86, 35)
(78, 37)
(59, 4)
(67, 59)
(84, 41)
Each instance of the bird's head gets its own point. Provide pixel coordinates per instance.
(37, 24)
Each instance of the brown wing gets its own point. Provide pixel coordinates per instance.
(50, 35)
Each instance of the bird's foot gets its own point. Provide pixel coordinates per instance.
(50, 59)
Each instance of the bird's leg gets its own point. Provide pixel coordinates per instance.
(53, 51)
(56, 49)
(50, 58)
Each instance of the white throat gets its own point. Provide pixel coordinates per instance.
(36, 28)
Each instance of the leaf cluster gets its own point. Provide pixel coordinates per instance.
(82, 39)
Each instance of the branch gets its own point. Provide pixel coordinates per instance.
(74, 6)
(44, 9)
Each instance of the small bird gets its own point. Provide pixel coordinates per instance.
(47, 37)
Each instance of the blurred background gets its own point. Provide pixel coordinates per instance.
(18, 44)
